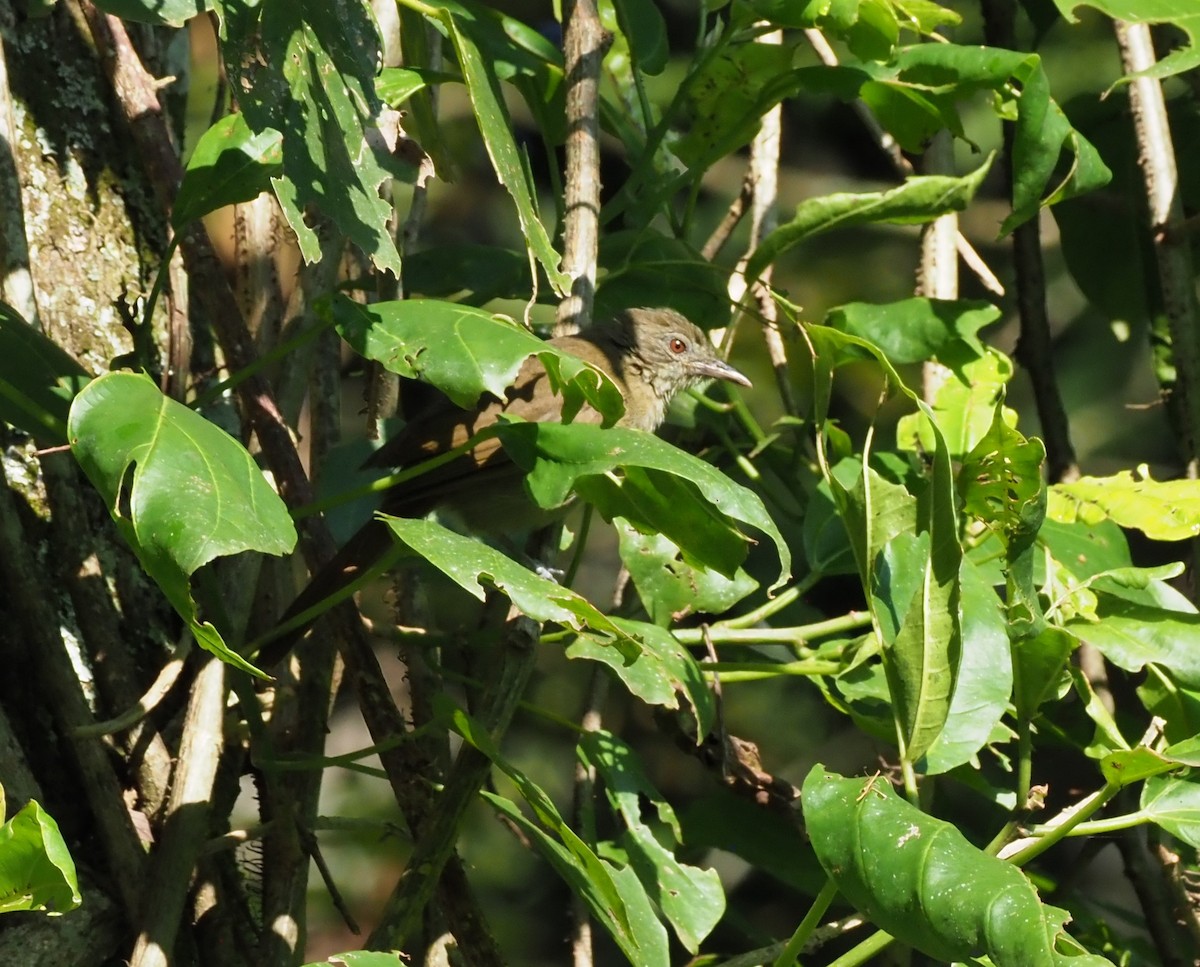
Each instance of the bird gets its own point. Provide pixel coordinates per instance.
(651, 354)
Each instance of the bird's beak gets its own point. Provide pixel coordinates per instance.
(717, 369)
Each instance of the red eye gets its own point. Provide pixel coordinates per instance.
(677, 345)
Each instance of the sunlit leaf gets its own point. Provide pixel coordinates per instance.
(230, 164)
(466, 352)
(181, 490)
(1164, 510)
(919, 879)
(920, 199)
(36, 869)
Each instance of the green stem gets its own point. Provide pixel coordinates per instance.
(864, 951)
(748, 671)
(799, 634)
(279, 352)
(796, 944)
(1024, 761)
(1098, 826)
(160, 279)
(391, 480)
(1071, 818)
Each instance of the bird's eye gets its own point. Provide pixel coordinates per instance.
(677, 345)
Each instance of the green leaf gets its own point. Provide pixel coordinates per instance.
(920, 199)
(36, 869)
(729, 96)
(1130, 635)
(662, 671)
(964, 406)
(571, 855)
(921, 635)
(311, 77)
(1174, 804)
(470, 562)
(397, 84)
(181, 490)
(637, 931)
(984, 681)
(467, 29)
(1163, 510)
(914, 330)
(1123, 767)
(160, 13)
(919, 879)
(557, 458)
(38, 380)
(466, 352)
(1085, 549)
(1001, 480)
(1039, 659)
(643, 32)
(362, 958)
(484, 272)
(690, 898)
(646, 268)
(230, 164)
(670, 588)
(1181, 14)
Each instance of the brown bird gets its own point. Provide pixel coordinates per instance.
(651, 354)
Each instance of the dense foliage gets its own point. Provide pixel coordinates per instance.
(883, 568)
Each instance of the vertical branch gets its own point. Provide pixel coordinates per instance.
(762, 180)
(1035, 350)
(937, 276)
(584, 44)
(187, 824)
(1172, 255)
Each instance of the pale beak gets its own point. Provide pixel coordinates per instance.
(717, 369)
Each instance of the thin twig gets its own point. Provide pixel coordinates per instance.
(887, 144)
(167, 676)
(1035, 347)
(763, 179)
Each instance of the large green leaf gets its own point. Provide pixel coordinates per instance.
(230, 164)
(36, 870)
(963, 406)
(162, 13)
(181, 490)
(38, 379)
(671, 588)
(1130, 635)
(594, 880)
(728, 97)
(470, 563)
(704, 506)
(984, 682)
(908, 555)
(469, 27)
(914, 330)
(663, 670)
(1164, 510)
(311, 77)
(646, 268)
(1181, 14)
(466, 352)
(920, 199)
(690, 898)
(919, 879)
(1174, 803)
